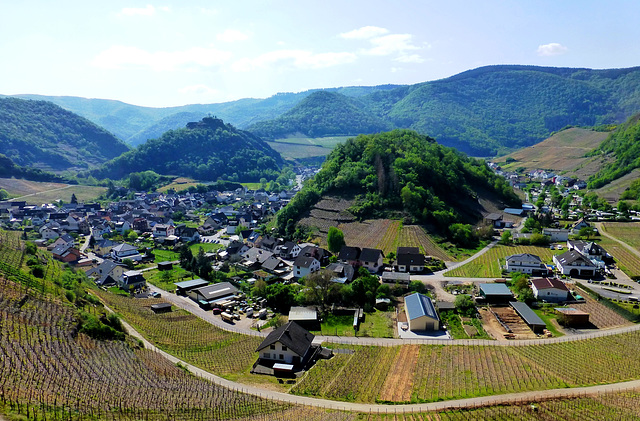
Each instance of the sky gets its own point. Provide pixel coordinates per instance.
(167, 53)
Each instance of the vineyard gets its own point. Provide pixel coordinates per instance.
(629, 232)
(604, 406)
(488, 266)
(601, 316)
(187, 336)
(370, 374)
(628, 262)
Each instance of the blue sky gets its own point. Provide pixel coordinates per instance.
(174, 53)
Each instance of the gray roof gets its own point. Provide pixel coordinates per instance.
(572, 256)
(304, 261)
(530, 318)
(215, 291)
(525, 257)
(370, 255)
(290, 335)
(302, 314)
(419, 305)
(495, 290)
(192, 283)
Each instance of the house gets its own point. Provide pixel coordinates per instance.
(574, 263)
(550, 289)
(66, 254)
(409, 259)
(289, 250)
(316, 252)
(421, 313)
(107, 273)
(125, 251)
(526, 263)
(371, 259)
(286, 348)
(495, 293)
(304, 266)
(122, 226)
(593, 251)
(393, 278)
(579, 224)
(350, 255)
(103, 247)
(342, 272)
(494, 219)
(162, 231)
(50, 231)
(187, 234)
(556, 234)
(65, 240)
(275, 265)
(132, 279)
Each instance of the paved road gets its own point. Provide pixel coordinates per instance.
(510, 398)
(475, 256)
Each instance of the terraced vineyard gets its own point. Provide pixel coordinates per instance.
(384, 234)
(488, 265)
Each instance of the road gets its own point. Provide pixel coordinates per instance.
(510, 398)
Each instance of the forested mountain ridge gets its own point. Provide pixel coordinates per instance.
(205, 150)
(322, 113)
(401, 171)
(42, 135)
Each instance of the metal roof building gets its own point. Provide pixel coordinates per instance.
(530, 318)
(421, 314)
(496, 293)
(185, 286)
(205, 296)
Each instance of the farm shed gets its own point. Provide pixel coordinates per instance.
(495, 293)
(210, 294)
(161, 308)
(530, 318)
(162, 266)
(401, 278)
(305, 317)
(421, 314)
(572, 317)
(182, 288)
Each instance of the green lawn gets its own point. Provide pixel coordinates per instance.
(548, 314)
(165, 279)
(165, 256)
(377, 324)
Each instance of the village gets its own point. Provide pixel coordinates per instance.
(123, 247)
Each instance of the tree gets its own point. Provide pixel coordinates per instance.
(335, 239)
(417, 286)
(506, 237)
(465, 305)
(128, 263)
(74, 199)
(321, 290)
(4, 195)
(585, 232)
(281, 297)
(623, 206)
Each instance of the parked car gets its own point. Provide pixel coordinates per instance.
(155, 294)
(217, 310)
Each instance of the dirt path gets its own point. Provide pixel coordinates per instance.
(602, 231)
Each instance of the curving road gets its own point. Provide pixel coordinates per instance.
(510, 398)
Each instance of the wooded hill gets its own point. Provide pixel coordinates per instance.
(43, 135)
(206, 150)
(481, 111)
(401, 171)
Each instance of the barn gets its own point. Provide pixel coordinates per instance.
(495, 293)
(182, 288)
(529, 316)
(421, 314)
(572, 317)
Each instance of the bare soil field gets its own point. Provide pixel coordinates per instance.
(510, 318)
(399, 382)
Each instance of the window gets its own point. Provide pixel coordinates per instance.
(282, 356)
(273, 346)
(267, 355)
(284, 348)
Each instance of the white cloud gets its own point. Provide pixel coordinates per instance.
(391, 44)
(119, 56)
(198, 90)
(552, 49)
(232, 35)
(409, 58)
(300, 59)
(138, 11)
(365, 32)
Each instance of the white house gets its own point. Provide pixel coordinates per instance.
(550, 290)
(421, 313)
(125, 251)
(289, 345)
(574, 263)
(526, 263)
(163, 230)
(556, 234)
(371, 259)
(304, 266)
(409, 259)
(131, 279)
(48, 232)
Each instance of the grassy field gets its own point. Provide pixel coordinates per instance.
(37, 193)
(629, 232)
(180, 183)
(488, 265)
(628, 262)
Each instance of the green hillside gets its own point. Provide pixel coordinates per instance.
(401, 171)
(207, 150)
(42, 135)
(322, 114)
(170, 122)
(622, 151)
